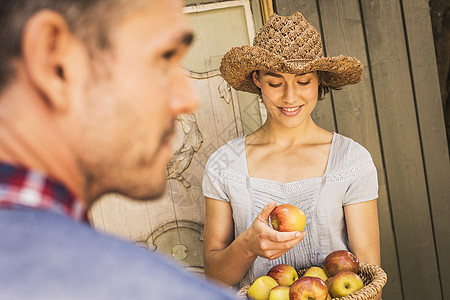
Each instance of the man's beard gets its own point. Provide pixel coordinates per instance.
(139, 185)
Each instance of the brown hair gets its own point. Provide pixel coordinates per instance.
(90, 20)
(324, 86)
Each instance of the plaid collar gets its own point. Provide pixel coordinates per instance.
(20, 186)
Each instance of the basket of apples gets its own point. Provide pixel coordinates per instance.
(341, 276)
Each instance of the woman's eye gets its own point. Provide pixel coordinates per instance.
(274, 84)
(304, 83)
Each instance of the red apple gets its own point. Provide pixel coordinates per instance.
(308, 288)
(344, 283)
(341, 260)
(283, 274)
(287, 217)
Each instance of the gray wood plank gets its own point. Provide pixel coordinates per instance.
(323, 114)
(356, 117)
(402, 150)
(432, 127)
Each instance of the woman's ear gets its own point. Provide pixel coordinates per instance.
(255, 77)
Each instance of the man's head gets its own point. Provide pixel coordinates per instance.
(107, 74)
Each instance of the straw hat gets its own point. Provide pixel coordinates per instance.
(287, 45)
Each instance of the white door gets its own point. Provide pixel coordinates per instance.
(174, 223)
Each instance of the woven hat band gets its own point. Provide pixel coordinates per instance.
(299, 59)
(299, 63)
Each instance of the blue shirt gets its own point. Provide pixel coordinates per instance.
(45, 254)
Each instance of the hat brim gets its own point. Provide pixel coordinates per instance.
(239, 63)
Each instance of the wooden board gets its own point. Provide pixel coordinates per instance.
(400, 123)
(401, 148)
(432, 128)
(356, 118)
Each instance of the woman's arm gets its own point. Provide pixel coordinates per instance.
(363, 231)
(228, 259)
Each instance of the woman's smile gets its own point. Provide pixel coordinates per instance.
(291, 110)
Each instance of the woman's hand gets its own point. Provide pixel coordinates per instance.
(227, 258)
(261, 240)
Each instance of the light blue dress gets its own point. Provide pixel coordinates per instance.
(350, 178)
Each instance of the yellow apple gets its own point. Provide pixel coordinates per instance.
(316, 272)
(261, 288)
(280, 292)
(344, 283)
(283, 274)
(287, 217)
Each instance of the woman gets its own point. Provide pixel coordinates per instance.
(288, 160)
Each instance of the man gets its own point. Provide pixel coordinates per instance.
(89, 91)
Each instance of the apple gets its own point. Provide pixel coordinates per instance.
(309, 288)
(287, 217)
(261, 288)
(340, 260)
(283, 274)
(280, 292)
(316, 272)
(344, 283)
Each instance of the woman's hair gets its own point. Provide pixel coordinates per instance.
(324, 86)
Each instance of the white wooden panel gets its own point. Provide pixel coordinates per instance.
(174, 223)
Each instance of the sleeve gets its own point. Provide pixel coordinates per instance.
(213, 185)
(364, 185)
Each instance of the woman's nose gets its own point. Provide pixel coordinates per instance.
(290, 94)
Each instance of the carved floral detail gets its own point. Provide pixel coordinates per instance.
(182, 158)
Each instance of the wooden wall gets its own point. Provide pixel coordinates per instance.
(396, 113)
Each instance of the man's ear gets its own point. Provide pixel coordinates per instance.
(255, 78)
(45, 43)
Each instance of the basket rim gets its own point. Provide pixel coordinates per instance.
(369, 291)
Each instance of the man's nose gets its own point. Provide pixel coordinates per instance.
(184, 98)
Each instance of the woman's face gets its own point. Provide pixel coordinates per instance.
(289, 98)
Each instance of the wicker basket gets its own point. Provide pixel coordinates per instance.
(374, 279)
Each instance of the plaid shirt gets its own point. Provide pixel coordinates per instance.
(21, 187)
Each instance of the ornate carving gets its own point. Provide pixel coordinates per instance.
(225, 92)
(182, 158)
(202, 75)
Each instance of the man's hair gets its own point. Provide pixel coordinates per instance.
(89, 20)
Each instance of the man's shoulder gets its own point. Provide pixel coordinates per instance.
(39, 249)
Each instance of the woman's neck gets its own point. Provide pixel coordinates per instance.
(274, 133)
